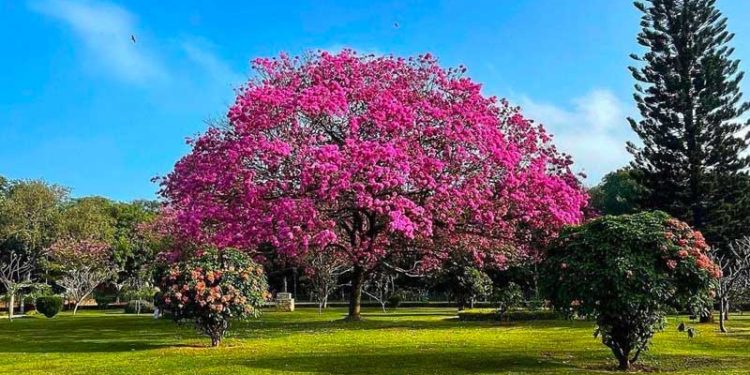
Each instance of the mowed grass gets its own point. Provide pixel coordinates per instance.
(407, 341)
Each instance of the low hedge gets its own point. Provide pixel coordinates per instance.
(104, 300)
(146, 307)
(475, 315)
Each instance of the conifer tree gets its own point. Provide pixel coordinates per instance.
(691, 161)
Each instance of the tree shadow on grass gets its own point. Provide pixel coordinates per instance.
(88, 345)
(84, 334)
(414, 314)
(414, 363)
(275, 328)
(457, 362)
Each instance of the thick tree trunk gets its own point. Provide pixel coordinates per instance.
(11, 306)
(624, 364)
(215, 340)
(355, 300)
(726, 309)
(622, 358)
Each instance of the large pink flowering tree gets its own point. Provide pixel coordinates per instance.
(375, 157)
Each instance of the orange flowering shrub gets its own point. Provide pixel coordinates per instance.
(627, 272)
(212, 289)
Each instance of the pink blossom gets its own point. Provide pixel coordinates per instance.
(373, 155)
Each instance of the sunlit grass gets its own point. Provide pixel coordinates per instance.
(408, 341)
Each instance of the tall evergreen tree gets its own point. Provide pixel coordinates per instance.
(688, 94)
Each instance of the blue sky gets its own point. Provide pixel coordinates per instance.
(82, 106)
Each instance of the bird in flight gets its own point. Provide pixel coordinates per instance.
(395, 25)
(132, 37)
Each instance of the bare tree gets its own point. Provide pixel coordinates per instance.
(380, 286)
(15, 275)
(80, 282)
(140, 287)
(324, 270)
(735, 268)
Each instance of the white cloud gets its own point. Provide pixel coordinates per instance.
(593, 130)
(199, 53)
(106, 31)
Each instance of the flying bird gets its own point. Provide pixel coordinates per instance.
(132, 37)
(395, 25)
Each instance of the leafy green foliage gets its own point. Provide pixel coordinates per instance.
(619, 193)
(213, 288)
(103, 299)
(507, 297)
(29, 216)
(463, 281)
(49, 305)
(626, 272)
(394, 301)
(88, 218)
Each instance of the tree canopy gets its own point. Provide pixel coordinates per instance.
(373, 155)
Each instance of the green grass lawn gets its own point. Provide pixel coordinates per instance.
(408, 341)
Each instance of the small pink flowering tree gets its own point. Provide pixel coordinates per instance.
(373, 156)
(84, 263)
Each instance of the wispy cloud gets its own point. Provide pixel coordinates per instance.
(159, 62)
(593, 129)
(199, 52)
(106, 30)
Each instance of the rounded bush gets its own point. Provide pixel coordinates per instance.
(103, 300)
(395, 300)
(628, 272)
(49, 305)
(212, 289)
(132, 307)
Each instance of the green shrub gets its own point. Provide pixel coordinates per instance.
(628, 272)
(49, 305)
(132, 307)
(464, 282)
(535, 304)
(508, 297)
(394, 300)
(104, 299)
